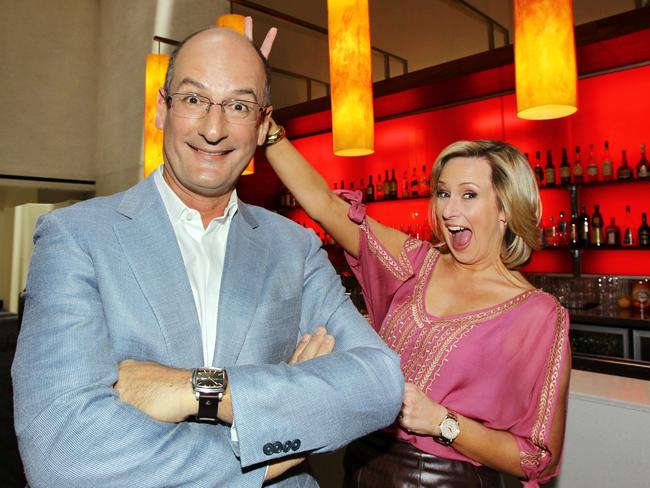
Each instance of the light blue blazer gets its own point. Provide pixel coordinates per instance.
(107, 283)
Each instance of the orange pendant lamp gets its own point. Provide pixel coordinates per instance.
(156, 69)
(351, 77)
(545, 59)
(236, 23)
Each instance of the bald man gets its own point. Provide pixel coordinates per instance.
(161, 342)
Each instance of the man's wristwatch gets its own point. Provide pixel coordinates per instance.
(449, 429)
(209, 385)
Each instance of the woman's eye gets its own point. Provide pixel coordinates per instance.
(442, 194)
(469, 195)
(192, 100)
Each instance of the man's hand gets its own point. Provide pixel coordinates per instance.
(161, 392)
(309, 347)
(312, 346)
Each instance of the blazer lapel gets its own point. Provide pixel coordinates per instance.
(150, 246)
(243, 276)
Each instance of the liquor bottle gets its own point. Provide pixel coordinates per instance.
(596, 236)
(352, 186)
(550, 233)
(342, 185)
(583, 228)
(379, 189)
(362, 187)
(414, 184)
(336, 186)
(607, 166)
(592, 165)
(562, 230)
(370, 190)
(393, 186)
(573, 230)
(629, 236)
(565, 169)
(406, 186)
(612, 234)
(539, 171)
(644, 231)
(643, 168)
(624, 171)
(549, 171)
(424, 182)
(577, 168)
(387, 193)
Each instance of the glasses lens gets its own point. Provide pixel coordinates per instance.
(189, 105)
(240, 111)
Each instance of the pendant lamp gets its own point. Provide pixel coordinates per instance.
(545, 59)
(156, 68)
(350, 77)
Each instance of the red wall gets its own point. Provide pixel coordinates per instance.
(613, 107)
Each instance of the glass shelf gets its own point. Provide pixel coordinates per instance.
(594, 248)
(595, 184)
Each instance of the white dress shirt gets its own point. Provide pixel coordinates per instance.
(203, 252)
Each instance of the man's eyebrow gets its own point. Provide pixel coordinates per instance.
(198, 84)
(245, 91)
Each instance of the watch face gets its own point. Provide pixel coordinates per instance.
(449, 428)
(210, 379)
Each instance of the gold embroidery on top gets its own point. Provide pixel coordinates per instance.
(531, 459)
(548, 393)
(401, 267)
(431, 339)
(412, 244)
(547, 396)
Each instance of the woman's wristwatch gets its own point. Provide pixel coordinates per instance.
(449, 429)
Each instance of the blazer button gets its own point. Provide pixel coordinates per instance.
(277, 447)
(268, 449)
(287, 446)
(295, 445)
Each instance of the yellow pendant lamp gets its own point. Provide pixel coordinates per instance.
(154, 79)
(351, 77)
(236, 23)
(545, 59)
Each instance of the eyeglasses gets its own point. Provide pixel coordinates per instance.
(193, 106)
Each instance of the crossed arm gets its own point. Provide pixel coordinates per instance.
(166, 394)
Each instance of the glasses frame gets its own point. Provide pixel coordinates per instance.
(169, 97)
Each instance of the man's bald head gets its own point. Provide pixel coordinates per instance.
(226, 34)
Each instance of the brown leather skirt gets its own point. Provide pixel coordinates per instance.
(379, 460)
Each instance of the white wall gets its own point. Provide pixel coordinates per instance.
(48, 70)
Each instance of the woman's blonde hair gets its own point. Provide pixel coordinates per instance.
(517, 195)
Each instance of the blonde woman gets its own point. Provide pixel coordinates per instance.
(485, 355)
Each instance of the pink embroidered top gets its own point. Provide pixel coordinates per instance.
(499, 365)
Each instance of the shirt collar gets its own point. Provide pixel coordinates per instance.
(175, 206)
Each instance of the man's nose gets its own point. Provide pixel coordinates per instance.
(213, 127)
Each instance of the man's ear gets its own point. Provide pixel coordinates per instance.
(161, 110)
(263, 129)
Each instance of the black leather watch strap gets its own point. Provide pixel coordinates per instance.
(208, 406)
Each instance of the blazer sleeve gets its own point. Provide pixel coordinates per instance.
(72, 429)
(326, 402)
